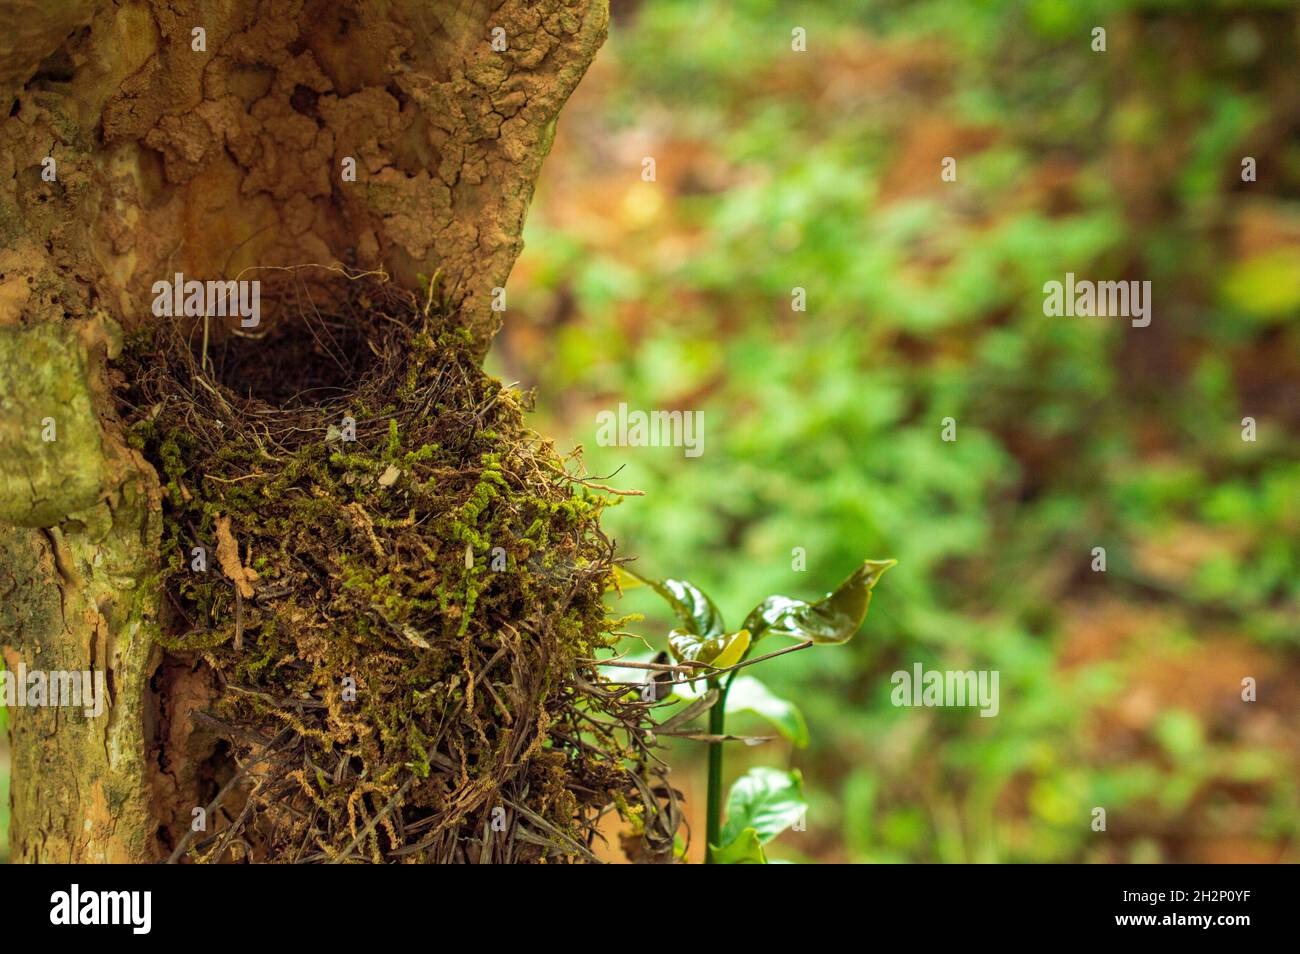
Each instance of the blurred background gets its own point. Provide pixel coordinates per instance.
(821, 169)
(778, 169)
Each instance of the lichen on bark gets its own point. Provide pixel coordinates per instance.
(76, 572)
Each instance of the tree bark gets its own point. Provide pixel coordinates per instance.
(211, 154)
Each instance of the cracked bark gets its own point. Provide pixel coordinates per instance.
(211, 162)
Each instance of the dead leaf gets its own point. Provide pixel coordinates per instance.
(415, 638)
(228, 557)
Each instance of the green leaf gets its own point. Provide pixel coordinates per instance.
(744, 849)
(696, 611)
(719, 651)
(748, 694)
(765, 800)
(831, 620)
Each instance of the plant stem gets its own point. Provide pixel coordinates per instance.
(717, 726)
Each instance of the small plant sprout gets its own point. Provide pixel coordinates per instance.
(764, 802)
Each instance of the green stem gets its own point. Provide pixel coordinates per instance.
(717, 726)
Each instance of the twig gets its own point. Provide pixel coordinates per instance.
(593, 485)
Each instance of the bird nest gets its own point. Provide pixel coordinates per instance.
(396, 590)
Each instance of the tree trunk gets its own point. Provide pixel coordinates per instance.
(147, 138)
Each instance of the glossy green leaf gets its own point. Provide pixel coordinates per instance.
(831, 620)
(765, 800)
(696, 611)
(718, 651)
(744, 849)
(748, 694)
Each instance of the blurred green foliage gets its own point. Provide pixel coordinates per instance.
(821, 170)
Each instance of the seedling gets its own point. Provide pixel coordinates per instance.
(764, 802)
